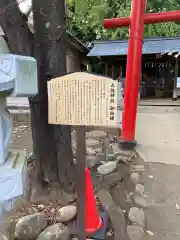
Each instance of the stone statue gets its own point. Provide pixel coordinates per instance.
(18, 78)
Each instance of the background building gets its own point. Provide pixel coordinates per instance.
(160, 64)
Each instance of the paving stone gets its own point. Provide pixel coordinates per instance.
(107, 168)
(111, 157)
(135, 232)
(124, 170)
(115, 214)
(137, 216)
(10, 228)
(130, 185)
(96, 134)
(30, 226)
(112, 178)
(93, 160)
(2, 237)
(92, 143)
(139, 201)
(135, 177)
(66, 213)
(90, 151)
(138, 168)
(55, 232)
(140, 190)
(120, 197)
(98, 150)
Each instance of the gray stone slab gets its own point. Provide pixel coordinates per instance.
(115, 214)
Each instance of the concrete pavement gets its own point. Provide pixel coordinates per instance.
(158, 136)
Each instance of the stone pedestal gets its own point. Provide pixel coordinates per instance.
(5, 130)
(12, 177)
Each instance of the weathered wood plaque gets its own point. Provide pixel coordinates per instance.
(84, 99)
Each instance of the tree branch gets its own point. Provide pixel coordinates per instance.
(13, 23)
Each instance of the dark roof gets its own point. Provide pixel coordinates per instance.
(77, 43)
(120, 47)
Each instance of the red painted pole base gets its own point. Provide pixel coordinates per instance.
(93, 220)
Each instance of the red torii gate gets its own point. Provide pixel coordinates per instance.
(136, 21)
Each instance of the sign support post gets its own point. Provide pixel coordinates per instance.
(80, 180)
(82, 99)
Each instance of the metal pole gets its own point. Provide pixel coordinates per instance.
(149, 18)
(133, 70)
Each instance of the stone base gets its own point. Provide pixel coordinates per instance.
(12, 176)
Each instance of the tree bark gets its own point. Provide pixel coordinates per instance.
(20, 39)
(50, 39)
(52, 144)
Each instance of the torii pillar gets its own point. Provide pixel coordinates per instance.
(136, 31)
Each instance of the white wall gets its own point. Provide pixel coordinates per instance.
(73, 61)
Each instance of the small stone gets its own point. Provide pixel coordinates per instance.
(2, 237)
(66, 214)
(98, 150)
(30, 226)
(121, 197)
(137, 216)
(130, 185)
(135, 177)
(139, 201)
(110, 150)
(111, 156)
(92, 143)
(116, 149)
(55, 232)
(93, 160)
(140, 189)
(119, 152)
(138, 168)
(107, 168)
(135, 232)
(124, 170)
(41, 206)
(96, 134)
(121, 159)
(90, 151)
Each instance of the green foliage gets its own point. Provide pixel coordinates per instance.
(85, 18)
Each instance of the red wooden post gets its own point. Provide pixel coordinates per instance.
(149, 18)
(133, 69)
(136, 21)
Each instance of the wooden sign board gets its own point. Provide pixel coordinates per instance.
(84, 99)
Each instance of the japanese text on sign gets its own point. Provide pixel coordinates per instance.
(83, 99)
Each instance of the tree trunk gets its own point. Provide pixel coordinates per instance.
(50, 42)
(52, 144)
